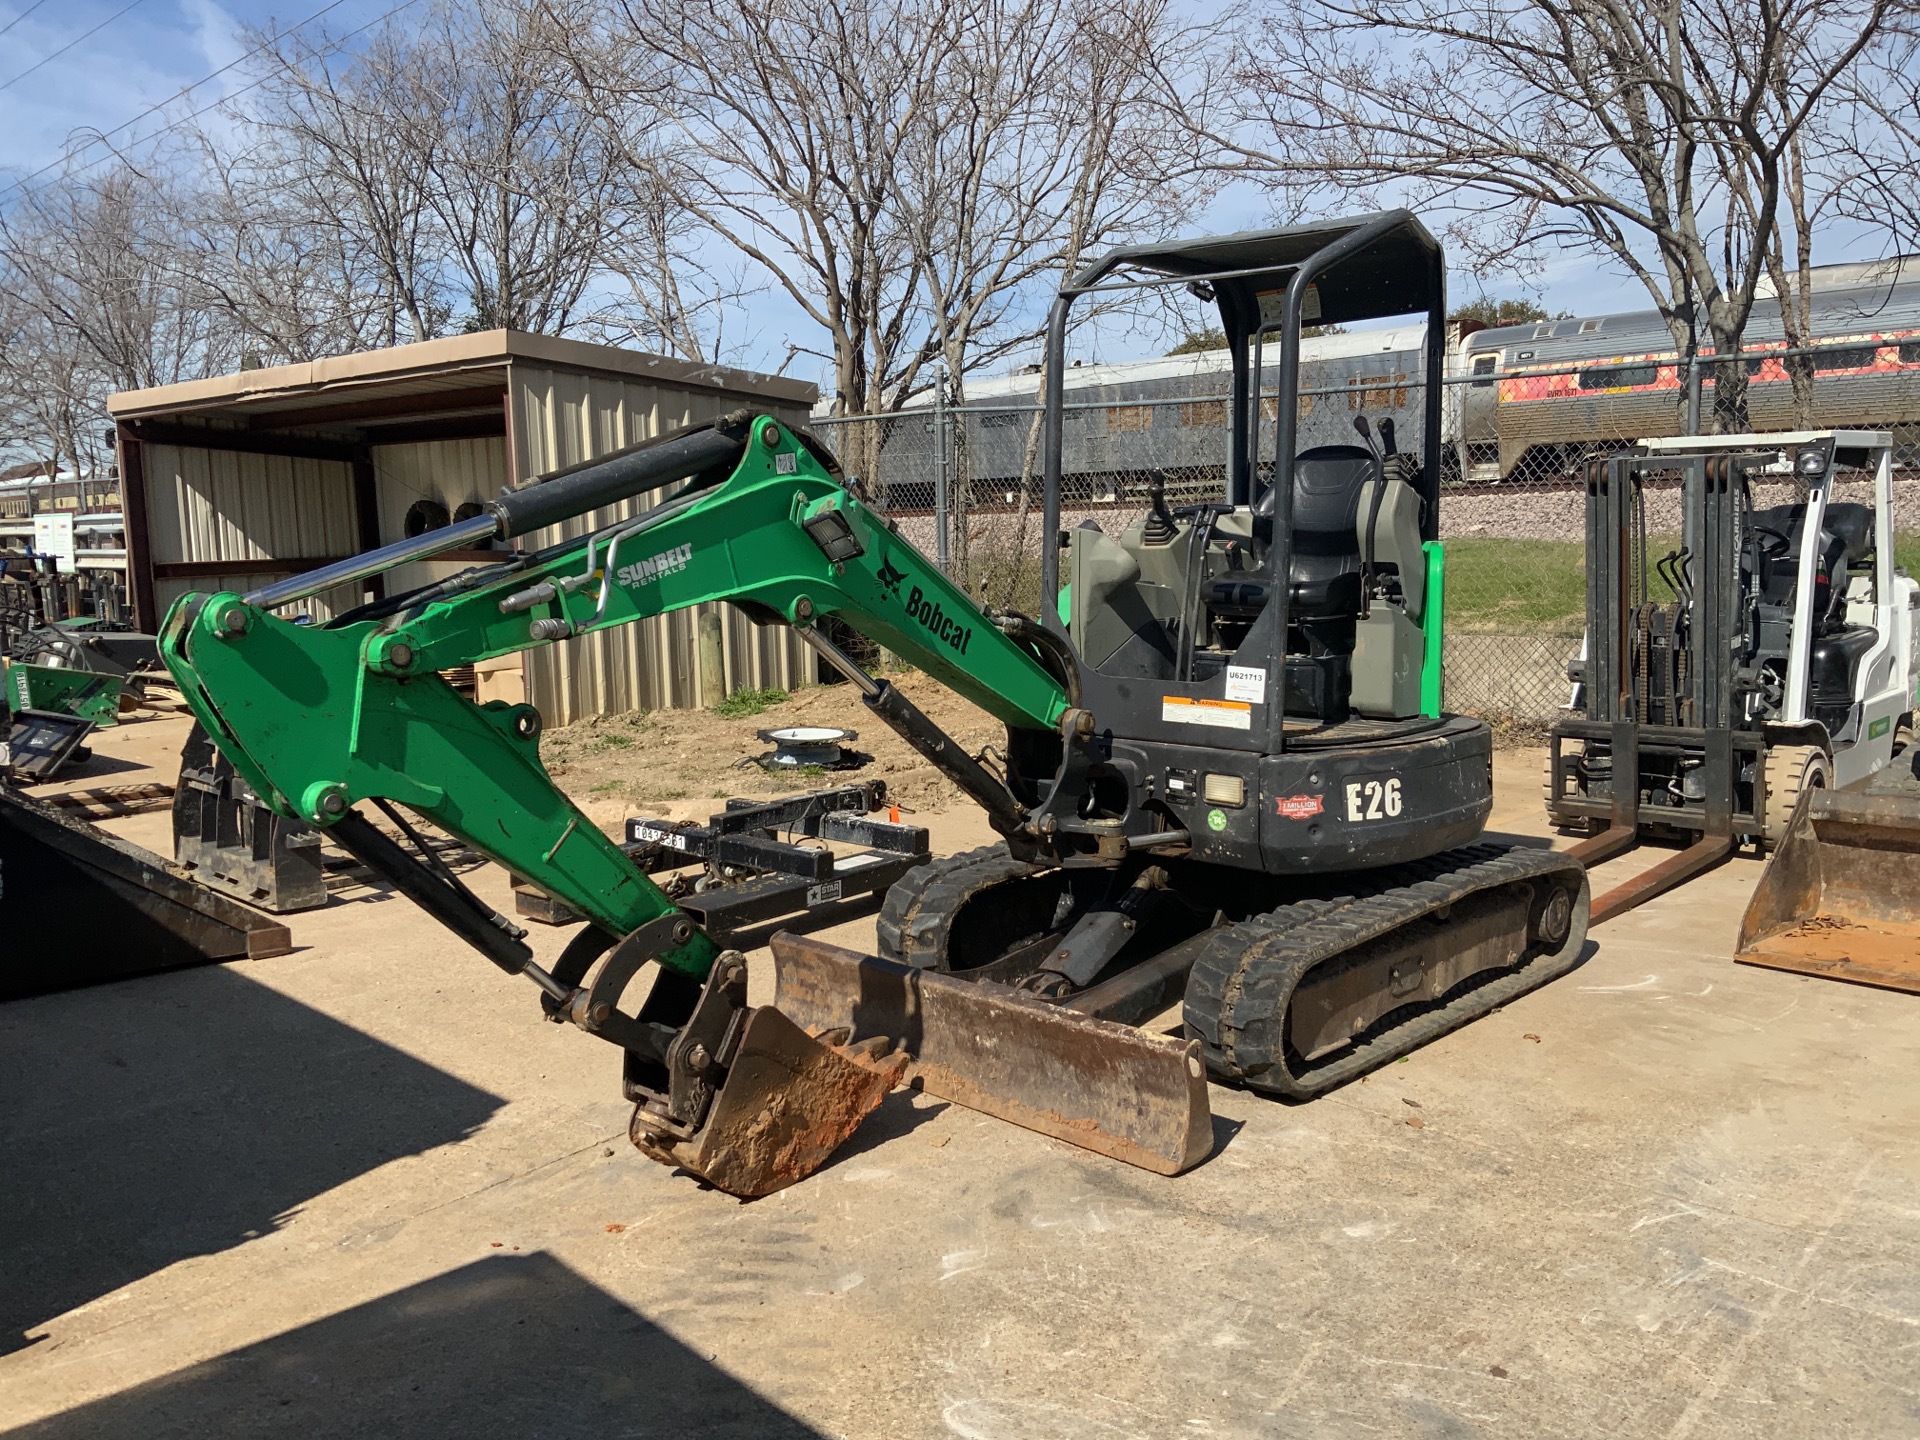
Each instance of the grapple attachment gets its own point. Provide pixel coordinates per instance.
(1841, 896)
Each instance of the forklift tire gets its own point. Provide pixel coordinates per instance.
(1792, 770)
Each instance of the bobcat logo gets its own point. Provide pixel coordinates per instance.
(891, 578)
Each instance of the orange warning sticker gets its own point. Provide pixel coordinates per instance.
(1221, 714)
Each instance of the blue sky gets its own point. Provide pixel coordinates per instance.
(138, 60)
(160, 46)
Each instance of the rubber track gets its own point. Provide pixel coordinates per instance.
(913, 923)
(1241, 985)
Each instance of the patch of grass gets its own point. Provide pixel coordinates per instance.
(1519, 587)
(612, 742)
(743, 703)
(1906, 553)
(607, 788)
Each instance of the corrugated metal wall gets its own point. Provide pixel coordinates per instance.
(561, 417)
(206, 505)
(449, 471)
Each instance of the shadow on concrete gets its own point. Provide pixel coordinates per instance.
(896, 1116)
(179, 1115)
(514, 1346)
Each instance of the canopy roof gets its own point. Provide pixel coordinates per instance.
(1396, 272)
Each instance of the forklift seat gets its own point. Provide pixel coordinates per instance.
(1848, 532)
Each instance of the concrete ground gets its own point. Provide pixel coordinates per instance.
(360, 1190)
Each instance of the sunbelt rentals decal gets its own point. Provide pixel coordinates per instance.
(645, 572)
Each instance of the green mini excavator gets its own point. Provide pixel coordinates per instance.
(1228, 783)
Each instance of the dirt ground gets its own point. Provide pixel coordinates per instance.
(360, 1190)
(679, 762)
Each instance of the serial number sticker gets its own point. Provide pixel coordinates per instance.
(1373, 799)
(672, 839)
(1247, 682)
(1220, 714)
(820, 894)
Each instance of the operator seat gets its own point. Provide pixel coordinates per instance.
(1846, 540)
(1324, 587)
(1323, 576)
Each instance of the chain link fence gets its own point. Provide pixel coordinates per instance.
(963, 482)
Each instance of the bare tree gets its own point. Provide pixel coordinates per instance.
(791, 121)
(681, 284)
(905, 173)
(1043, 143)
(524, 187)
(1660, 135)
(345, 147)
(98, 258)
(1873, 157)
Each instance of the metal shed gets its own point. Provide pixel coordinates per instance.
(244, 478)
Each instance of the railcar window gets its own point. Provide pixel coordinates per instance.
(1484, 366)
(1130, 417)
(1619, 377)
(1849, 357)
(999, 419)
(1204, 412)
(1365, 392)
(1910, 352)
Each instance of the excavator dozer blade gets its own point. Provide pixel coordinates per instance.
(788, 1103)
(1102, 1086)
(1841, 896)
(79, 906)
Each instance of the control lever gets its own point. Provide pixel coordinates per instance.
(1159, 529)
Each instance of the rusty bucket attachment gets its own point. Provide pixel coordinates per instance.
(787, 1104)
(752, 1102)
(1102, 1086)
(1841, 896)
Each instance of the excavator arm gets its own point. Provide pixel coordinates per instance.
(319, 719)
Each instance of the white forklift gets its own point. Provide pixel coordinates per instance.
(1766, 650)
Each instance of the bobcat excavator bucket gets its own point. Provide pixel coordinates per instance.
(1841, 896)
(1102, 1086)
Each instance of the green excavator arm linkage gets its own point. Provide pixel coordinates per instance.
(318, 719)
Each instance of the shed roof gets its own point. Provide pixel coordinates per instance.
(438, 377)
